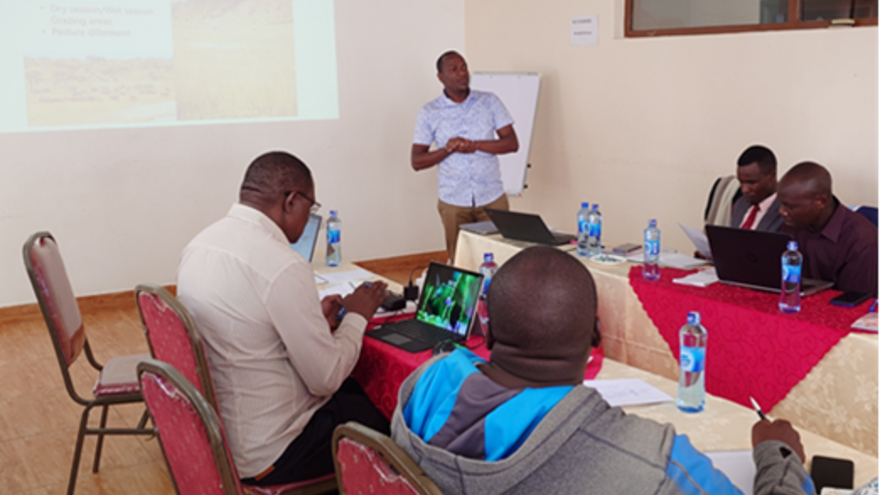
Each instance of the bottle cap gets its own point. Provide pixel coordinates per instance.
(652, 223)
(585, 205)
(792, 245)
(488, 257)
(595, 206)
(694, 318)
(332, 213)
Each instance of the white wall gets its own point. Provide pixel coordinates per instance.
(644, 126)
(122, 204)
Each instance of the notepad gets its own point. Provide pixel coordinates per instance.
(738, 466)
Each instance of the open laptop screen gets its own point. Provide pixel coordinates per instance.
(449, 298)
(305, 246)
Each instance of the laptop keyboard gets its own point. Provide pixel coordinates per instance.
(417, 330)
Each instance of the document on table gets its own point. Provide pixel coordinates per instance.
(737, 465)
(670, 259)
(348, 276)
(628, 392)
(702, 278)
(701, 242)
(319, 279)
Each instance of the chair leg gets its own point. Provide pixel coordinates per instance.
(100, 440)
(143, 422)
(77, 453)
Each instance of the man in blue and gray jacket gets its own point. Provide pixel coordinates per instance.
(522, 422)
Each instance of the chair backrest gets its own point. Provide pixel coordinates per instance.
(869, 212)
(173, 337)
(725, 191)
(369, 462)
(55, 296)
(189, 432)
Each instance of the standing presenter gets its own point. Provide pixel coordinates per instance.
(470, 128)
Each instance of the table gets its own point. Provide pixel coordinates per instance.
(837, 398)
(723, 425)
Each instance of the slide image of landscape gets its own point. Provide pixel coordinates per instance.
(97, 90)
(234, 59)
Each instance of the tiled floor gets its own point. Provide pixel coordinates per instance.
(38, 420)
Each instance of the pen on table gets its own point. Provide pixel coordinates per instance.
(873, 307)
(757, 408)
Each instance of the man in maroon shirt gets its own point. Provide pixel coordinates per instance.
(838, 244)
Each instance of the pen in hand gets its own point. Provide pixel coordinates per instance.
(758, 408)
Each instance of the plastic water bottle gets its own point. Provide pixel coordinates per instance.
(790, 297)
(651, 270)
(594, 237)
(487, 270)
(334, 241)
(692, 362)
(583, 228)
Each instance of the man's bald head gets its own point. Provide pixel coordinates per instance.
(813, 177)
(273, 175)
(805, 196)
(542, 315)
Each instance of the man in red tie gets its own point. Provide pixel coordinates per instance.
(757, 208)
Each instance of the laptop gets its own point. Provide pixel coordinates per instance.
(751, 258)
(482, 228)
(446, 310)
(526, 227)
(305, 246)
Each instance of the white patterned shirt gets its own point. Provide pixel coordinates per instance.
(273, 359)
(465, 179)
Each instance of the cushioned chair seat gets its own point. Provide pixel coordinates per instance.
(119, 376)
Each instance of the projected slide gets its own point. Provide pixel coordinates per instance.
(108, 63)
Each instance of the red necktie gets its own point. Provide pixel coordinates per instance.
(751, 218)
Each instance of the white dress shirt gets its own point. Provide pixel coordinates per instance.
(465, 179)
(273, 358)
(763, 206)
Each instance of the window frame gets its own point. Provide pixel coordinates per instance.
(794, 12)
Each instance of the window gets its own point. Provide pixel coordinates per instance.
(677, 17)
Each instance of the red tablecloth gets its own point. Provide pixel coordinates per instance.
(753, 348)
(382, 367)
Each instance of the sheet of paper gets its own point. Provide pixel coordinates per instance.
(319, 279)
(737, 465)
(348, 276)
(701, 242)
(702, 278)
(342, 290)
(680, 261)
(585, 30)
(628, 392)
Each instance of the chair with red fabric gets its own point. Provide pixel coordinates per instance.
(370, 462)
(117, 379)
(174, 339)
(171, 333)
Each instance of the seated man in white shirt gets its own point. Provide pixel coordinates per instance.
(757, 208)
(279, 357)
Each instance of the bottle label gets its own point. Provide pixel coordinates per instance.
(693, 359)
(652, 248)
(595, 229)
(791, 273)
(583, 226)
(333, 236)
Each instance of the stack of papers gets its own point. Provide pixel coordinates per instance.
(702, 278)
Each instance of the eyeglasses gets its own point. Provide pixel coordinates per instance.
(315, 206)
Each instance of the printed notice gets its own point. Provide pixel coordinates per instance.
(585, 30)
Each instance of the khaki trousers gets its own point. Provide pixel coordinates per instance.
(452, 216)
